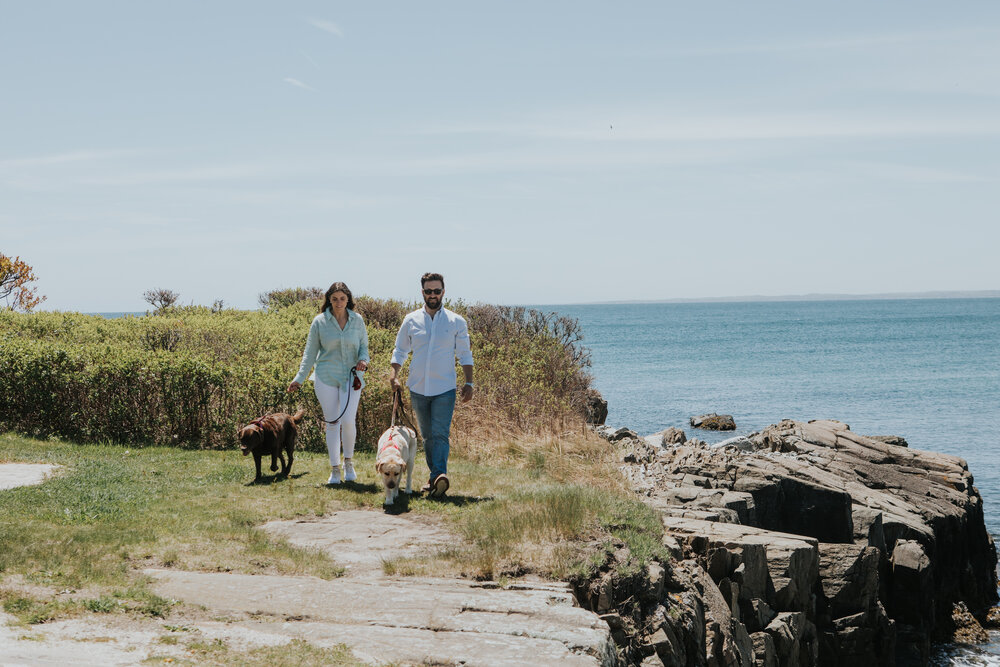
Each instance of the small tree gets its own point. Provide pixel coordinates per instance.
(160, 299)
(15, 274)
(282, 298)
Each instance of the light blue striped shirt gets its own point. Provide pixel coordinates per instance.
(332, 350)
(435, 343)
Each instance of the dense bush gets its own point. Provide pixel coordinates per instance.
(192, 376)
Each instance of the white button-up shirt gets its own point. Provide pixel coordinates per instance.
(435, 342)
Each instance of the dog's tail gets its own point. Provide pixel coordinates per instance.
(297, 417)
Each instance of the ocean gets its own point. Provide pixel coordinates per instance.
(924, 369)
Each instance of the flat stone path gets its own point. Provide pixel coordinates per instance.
(13, 475)
(382, 618)
(361, 540)
(406, 620)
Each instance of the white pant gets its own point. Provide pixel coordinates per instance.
(332, 399)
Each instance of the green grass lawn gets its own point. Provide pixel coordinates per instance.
(112, 511)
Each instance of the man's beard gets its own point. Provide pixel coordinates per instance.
(432, 302)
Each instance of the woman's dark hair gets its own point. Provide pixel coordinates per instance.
(337, 287)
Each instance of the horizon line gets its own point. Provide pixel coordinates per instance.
(752, 298)
(814, 296)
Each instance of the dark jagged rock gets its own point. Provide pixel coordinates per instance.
(612, 434)
(826, 547)
(597, 408)
(714, 422)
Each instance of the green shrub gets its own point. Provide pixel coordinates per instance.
(192, 377)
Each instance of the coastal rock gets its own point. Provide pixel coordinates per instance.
(968, 630)
(616, 434)
(899, 441)
(840, 548)
(596, 407)
(714, 422)
(671, 436)
(764, 653)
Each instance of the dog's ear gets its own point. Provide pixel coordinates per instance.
(378, 467)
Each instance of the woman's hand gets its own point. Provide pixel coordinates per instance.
(362, 365)
(293, 387)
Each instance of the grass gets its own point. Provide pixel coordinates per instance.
(554, 506)
(292, 654)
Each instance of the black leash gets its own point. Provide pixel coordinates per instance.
(355, 384)
(397, 402)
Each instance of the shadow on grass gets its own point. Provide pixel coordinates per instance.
(271, 479)
(355, 486)
(459, 500)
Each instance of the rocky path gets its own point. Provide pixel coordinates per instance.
(382, 618)
(408, 620)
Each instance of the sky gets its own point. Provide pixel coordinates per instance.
(532, 152)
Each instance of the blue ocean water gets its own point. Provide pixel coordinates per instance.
(924, 369)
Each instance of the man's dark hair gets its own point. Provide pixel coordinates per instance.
(337, 287)
(428, 277)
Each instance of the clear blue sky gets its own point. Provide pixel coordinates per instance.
(533, 152)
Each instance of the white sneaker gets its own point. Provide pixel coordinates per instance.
(349, 474)
(334, 476)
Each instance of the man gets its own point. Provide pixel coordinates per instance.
(436, 336)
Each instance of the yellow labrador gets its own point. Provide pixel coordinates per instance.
(397, 450)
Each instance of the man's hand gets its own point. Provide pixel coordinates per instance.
(395, 384)
(467, 393)
(362, 365)
(293, 387)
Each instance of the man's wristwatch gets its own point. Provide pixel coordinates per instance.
(469, 384)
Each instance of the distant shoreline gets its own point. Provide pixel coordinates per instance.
(757, 298)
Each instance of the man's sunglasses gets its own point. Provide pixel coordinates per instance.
(435, 291)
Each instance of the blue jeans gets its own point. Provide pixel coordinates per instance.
(434, 416)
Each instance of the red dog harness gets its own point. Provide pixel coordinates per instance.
(391, 443)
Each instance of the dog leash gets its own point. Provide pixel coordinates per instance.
(395, 404)
(355, 384)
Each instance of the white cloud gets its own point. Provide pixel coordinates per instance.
(913, 173)
(309, 58)
(65, 158)
(197, 174)
(299, 84)
(959, 36)
(653, 126)
(328, 26)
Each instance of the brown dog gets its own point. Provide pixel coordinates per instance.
(271, 434)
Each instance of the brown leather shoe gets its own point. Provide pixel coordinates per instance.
(440, 486)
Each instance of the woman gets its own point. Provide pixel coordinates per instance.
(338, 342)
